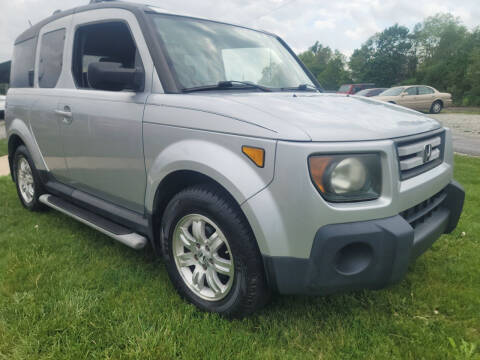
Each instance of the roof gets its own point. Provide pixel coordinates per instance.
(136, 8)
(35, 29)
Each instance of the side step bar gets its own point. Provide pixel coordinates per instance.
(105, 226)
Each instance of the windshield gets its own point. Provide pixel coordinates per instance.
(203, 53)
(392, 92)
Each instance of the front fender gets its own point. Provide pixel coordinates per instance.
(216, 155)
(19, 128)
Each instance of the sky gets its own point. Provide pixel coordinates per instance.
(340, 24)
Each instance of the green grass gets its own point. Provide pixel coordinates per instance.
(3, 147)
(69, 292)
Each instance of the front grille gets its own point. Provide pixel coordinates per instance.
(420, 213)
(419, 154)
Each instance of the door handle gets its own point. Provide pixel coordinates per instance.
(66, 114)
(63, 113)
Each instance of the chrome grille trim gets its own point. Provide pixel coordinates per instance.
(418, 154)
(419, 146)
(413, 162)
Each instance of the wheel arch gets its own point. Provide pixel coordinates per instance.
(19, 133)
(14, 141)
(173, 184)
(184, 161)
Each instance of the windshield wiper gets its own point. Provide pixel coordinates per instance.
(228, 85)
(301, 87)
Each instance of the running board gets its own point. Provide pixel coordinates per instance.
(105, 226)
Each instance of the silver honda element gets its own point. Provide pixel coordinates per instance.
(213, 146)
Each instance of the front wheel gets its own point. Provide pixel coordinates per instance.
(210, 253)
(436, 107)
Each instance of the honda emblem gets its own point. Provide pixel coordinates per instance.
(427, 153)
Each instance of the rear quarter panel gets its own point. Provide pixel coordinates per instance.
(17, 122)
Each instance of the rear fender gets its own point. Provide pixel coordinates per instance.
(19, 128)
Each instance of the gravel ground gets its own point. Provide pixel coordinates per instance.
(466, 131)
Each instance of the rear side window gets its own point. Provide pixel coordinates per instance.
(23, 63)
(103, 42)
(51, 58)
(423, 90)
(411, 91)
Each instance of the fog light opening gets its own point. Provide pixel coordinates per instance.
(353, 258)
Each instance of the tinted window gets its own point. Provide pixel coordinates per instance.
(356, 89)
(104, 42)
(51, 58)
(411, 91)
(423, 90)
(23, 63)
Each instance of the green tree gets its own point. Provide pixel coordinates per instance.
(444, 47)
(385, 58)
(472, 91)
(329, 67)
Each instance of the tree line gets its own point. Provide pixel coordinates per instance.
(440, 52)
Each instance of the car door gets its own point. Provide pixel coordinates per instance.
(49, 81)
(426, 97)
(102, 130)
(408, 97)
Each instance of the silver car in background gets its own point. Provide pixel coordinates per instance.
(213, 144)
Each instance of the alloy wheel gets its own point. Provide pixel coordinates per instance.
(203, 257)
(25, 180)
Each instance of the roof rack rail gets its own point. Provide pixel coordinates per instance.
(99, 1)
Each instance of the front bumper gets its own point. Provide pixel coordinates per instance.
(367, 254)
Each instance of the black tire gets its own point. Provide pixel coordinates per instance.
(436, 107)
(33, 205)
(249, 291)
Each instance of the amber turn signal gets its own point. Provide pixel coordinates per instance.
(257, 155)
(317, 169)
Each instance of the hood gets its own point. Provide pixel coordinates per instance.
(310, 116)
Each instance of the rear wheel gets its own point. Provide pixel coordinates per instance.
(29, 187)
(210, 253)
(436, 107)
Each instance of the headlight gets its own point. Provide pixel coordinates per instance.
(347, 178)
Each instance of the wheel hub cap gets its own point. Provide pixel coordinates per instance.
(203, 257)
(25, 180)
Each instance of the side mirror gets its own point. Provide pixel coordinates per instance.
(402, 94)
(112, 76)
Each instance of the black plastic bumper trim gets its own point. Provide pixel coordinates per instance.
(363, 255)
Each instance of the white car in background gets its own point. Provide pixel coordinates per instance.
(2, 106)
